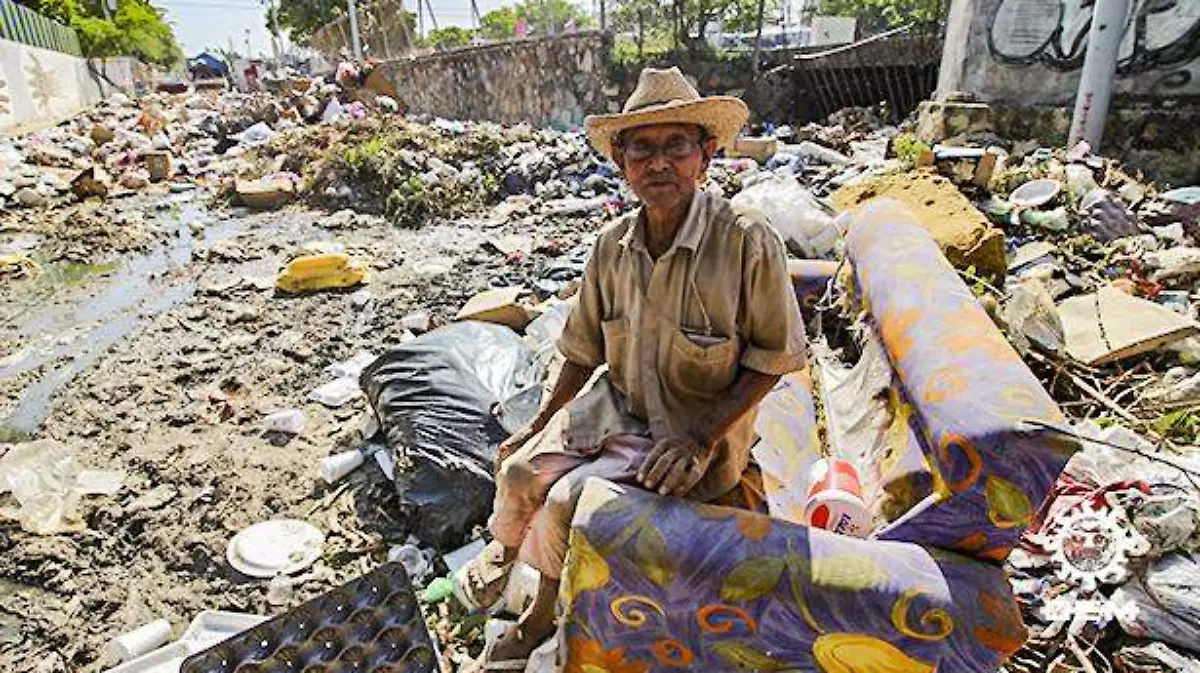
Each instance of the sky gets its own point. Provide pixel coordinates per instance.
(203, 24)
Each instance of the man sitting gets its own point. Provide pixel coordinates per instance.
(691, 307)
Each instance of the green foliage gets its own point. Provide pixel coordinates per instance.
(875, 16)
(304, 17)
(551, 15)
(908, 148)
(137, 29)
(450, 37)
(655, 20)
(499, 24)
(63, 11)
(1181, 425)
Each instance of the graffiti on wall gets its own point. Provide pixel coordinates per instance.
(1159, 35)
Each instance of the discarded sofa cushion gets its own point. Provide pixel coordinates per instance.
(434, 398)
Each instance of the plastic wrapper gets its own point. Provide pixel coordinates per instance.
(792, 210)
(435, 397)
(1167, 599)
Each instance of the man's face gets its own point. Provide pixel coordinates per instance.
(664, 162)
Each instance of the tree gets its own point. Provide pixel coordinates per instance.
(499, 24)
(304, 17)
(549, 16)
(450, 37)
(876, 16)
(63, 11)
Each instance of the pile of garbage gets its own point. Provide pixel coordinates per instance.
(1093, 274)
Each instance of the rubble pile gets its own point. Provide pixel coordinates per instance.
(1093, 275)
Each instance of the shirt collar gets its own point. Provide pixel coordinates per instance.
(689, 234)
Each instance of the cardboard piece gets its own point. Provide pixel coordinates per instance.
(498, 305)
(1110, 325)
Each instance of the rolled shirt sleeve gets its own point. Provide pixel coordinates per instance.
(770, 323)
(582, 340)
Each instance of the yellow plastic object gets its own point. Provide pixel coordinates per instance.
(20, 263)
(322, 272)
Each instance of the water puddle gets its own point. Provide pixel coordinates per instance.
(65, 332)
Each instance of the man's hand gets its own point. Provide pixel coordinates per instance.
(674, 466)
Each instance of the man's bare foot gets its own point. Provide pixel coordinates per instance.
(480, 583)
(534, 626)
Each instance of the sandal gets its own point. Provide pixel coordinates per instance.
(480, 583)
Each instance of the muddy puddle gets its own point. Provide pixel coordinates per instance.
(72, 313)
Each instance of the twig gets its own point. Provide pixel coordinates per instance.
(329, 499)
(1080, 655)
(1188, 472)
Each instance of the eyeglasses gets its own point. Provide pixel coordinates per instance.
(675, 148)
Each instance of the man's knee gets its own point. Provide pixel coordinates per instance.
(515, 474)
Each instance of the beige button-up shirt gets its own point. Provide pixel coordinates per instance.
(676, 331)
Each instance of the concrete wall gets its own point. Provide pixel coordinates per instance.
(40, 87)
(1029, 52)
(548, 82)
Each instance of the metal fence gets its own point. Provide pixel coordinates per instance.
(21, 24)
(382, 28)
(900, 69)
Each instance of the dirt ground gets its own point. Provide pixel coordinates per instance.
(157, 350)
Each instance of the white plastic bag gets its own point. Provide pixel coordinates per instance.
(792, 210)
(47, 483)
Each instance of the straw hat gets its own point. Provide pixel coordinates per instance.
(665, 97)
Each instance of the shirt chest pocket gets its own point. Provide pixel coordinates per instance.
(701, 366)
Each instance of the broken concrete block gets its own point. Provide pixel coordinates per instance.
(158, 164)
(498, 305)
(939, 120)
(1110, 325)
(960, 229)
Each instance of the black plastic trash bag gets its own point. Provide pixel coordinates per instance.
(434, 397)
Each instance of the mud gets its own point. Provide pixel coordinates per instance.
(161, 359)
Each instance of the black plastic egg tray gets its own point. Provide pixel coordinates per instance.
(369, 625)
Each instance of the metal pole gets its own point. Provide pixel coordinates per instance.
(355, 40)
(1099, 70)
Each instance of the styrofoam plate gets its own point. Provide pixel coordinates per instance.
(207, 629)
(272, 547)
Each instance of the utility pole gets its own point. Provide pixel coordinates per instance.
(432, 16)
(1099, 70)
(603, 16)
(355, 40)
(109, 6)
(248, 43)
(276, 39)
(757, 42)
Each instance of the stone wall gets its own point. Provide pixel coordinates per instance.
(40, 87)
(547, 82)
(1029, 52)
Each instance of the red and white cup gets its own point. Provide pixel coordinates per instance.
(834, 500)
